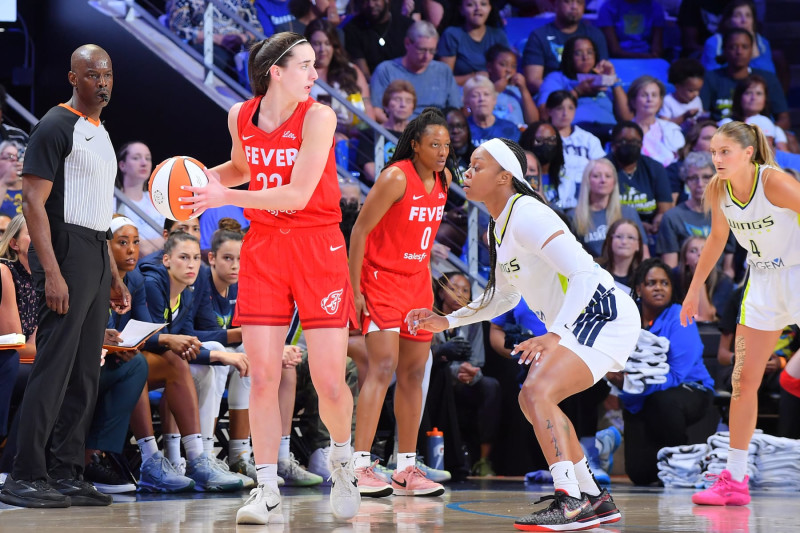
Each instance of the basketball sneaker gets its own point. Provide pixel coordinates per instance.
(209, 477)
(605, 508)
(104, 477)
(81, 492)
(439, 476)
(319, 462)
(608, 440)
(36, 494)
(565, 513)
(295, 475)
(370, 484)
(383, 472)
(242, 465)
(345, 498)
(724, 491)
(247, 481)
(413, 482)
(158, 475)
(261, 508)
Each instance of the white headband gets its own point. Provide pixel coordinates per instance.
(284, 53)
(118, 222)
(503, 154)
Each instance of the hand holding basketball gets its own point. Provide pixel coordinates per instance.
(167, 184)
(213, 194)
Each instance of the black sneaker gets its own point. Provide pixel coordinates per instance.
(32, 494)
(104, 477)
(564, 514)
(81, 492)
(605, 508)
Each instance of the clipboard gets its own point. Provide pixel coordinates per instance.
(12, 341)
(134, 335)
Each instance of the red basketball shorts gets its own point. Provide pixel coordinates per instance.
(391, 295)
(281, 267)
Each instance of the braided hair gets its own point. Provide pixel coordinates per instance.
(519, 188)
(430, 116)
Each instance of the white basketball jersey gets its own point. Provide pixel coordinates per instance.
(770, 234)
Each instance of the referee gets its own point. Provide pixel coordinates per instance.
(67, 198)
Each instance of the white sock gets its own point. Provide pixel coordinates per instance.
(340, 451)
(193, 444)
(585, 479)
(239, 449)
(564, 478)
(404, 460)
(362, 459)
(208, 445)
(148, 447)
(268, 475)
(172, 447)
(737, 464)
(284, 450)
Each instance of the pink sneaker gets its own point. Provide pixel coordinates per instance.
(370, 484)
(413, 482)
(724, 491)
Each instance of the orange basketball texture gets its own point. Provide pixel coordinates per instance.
(166, 184)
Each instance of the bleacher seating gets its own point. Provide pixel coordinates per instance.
(630, 69)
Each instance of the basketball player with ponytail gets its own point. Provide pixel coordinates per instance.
(592, 327)
(752, 197)
(293, 254)
(390, 248)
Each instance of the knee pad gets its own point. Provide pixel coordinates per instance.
(790, 384)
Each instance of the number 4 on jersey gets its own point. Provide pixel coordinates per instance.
(754, 248)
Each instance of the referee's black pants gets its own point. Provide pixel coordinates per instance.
(62, 388)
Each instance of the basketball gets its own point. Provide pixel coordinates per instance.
(166, 182)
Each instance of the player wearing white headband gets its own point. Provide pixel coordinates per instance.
(592, 327)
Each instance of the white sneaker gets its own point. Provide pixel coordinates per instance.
(247, 481)
(262, 507)
(319, 462)
(345, 497)
(180, 466)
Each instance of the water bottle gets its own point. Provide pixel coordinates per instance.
(436, 449)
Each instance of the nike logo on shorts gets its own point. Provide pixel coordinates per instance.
(376, 274)
(333, 249)
(248, 137)
(418, 197)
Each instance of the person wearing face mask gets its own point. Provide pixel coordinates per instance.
(542, 139)
(643, 182)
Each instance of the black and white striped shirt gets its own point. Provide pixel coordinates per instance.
(76, 154)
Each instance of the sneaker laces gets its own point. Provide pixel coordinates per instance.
(255, 494)
(294, 466)
(341, 470)
(717, 479)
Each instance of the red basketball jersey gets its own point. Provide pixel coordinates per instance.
(401, 241)
(271, 157)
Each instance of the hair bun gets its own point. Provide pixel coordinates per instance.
(229, 224)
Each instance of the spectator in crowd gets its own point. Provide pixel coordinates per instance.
(719, 84)
(399, 102)
(579, 145)
(9, 323)
(718, 286)
(689, 219)
(375, 35)
(623, 252)
(543, 50)
(10, 179)
(334, 68)
(480, 98)
(4, 221)
(542, 139)
(683, 106)
(463, 46)
(738, 14)
(751, 105)
(477, 395)
(581, 73)
(599, 206)
(209, 223)
(698, 20)
(460, 137)
(659, 414)
(276, 16)
(698, 139)
(122, 377)
(533, 174)
(135, 165)
(633, 28)
(643, 182)
(9, 133)
(433, 80)
(186, 21)
(514, 100)
(662, 138)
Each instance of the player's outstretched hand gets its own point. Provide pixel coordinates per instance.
(211, 195)
(426, 320)
(533, 349)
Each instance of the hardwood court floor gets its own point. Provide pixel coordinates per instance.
(465, 507)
